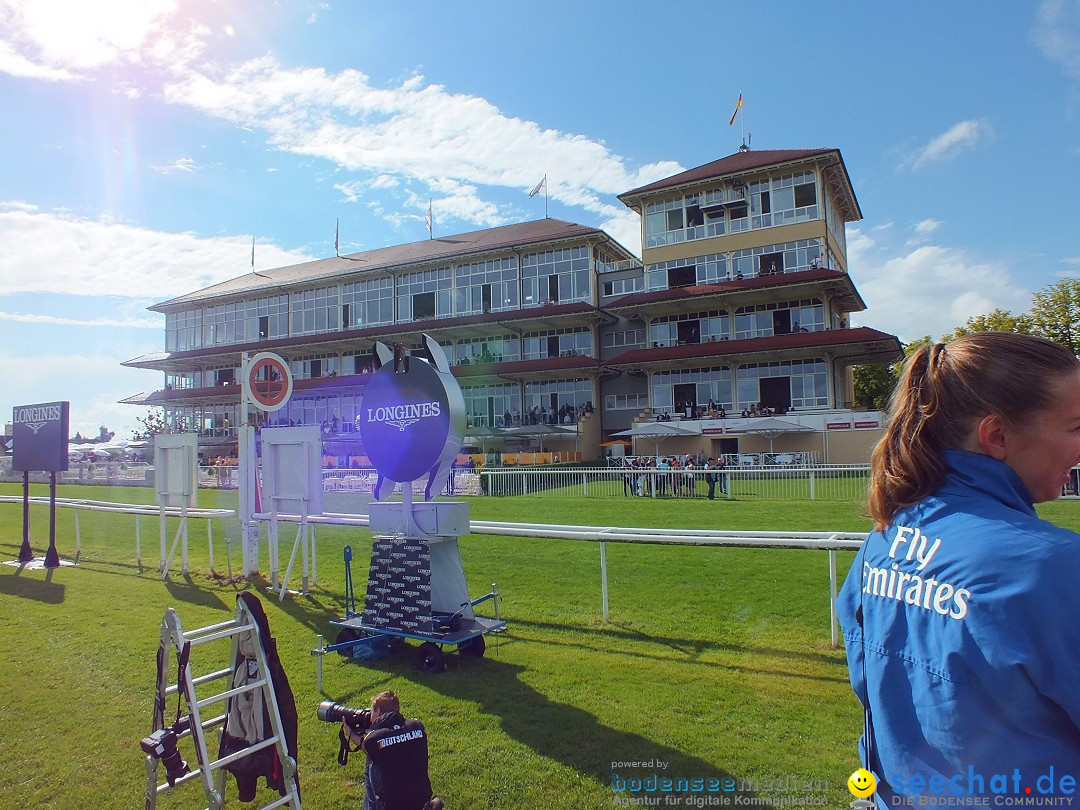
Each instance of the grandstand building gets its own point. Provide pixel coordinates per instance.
(741, 302)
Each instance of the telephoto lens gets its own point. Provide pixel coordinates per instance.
(357, 719)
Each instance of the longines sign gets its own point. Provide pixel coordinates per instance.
(412, 419)
(401, 416)
(40, 436)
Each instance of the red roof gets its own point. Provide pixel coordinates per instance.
(745, 161)
(732, 164)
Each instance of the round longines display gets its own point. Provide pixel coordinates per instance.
(268, 381)
(405, 420)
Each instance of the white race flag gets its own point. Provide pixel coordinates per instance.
(541, 186)
(428, 219)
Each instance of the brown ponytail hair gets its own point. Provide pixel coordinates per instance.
(944, 391)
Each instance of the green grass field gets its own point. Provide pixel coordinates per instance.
(716, 662)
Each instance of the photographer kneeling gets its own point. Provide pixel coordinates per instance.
(396, 776)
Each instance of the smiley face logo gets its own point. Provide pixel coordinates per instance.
(861, 783)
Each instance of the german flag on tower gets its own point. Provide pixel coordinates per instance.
(738, 106)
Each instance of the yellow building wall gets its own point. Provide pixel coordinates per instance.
(735, 241)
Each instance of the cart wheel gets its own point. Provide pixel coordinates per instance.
(429, 658)
(474, 647)
(346, 634)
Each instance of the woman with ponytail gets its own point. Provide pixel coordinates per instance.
(961, 613)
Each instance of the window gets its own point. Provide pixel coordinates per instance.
(370, 302)
(805, 195)
(629, 337)
(423, 306)
(708, 385)
(556, 275)
(622, 402)
(556, 343)
(314, 311)
(623, 286)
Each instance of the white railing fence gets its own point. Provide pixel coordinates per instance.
(806, 483)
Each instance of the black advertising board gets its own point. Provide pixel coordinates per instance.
(399, 586)
(40, 434)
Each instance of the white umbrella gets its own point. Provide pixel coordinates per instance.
(658, 431)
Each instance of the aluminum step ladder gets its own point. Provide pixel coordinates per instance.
(181, 644)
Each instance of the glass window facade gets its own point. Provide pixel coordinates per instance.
(183, 330)
(779, 318)
(424, 294)
(689, 327)
(780, 200)
(490, 286)
(314, 311)
(554, 395)
(804, 383)
(556, 343)
(488, 405)
(499, 349)
(556, 276)
(700, 385)
(367, 303)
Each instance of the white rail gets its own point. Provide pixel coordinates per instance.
(827, 541)
(136, 509)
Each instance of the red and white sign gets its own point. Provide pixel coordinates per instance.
(268, 381)
(838, 425)
(872, 424)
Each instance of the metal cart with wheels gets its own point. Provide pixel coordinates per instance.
(365, 636)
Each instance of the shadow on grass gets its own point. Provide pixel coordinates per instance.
(29, 587)
(570, 735)
(188, 591)
(691, 650)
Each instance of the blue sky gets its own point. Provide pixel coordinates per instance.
(146, 143)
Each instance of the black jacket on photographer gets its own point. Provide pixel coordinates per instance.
(397, 751)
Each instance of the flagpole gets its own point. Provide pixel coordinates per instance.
(545, 196)
(337, 243)
(742, 119)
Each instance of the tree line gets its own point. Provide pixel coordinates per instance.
(1054, 314)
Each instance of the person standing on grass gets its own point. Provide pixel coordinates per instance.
(960, 614)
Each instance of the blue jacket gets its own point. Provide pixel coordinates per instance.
(971, 658)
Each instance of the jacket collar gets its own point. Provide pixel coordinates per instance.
(389, 720)
(974, 473)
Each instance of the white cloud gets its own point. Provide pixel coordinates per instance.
(61, 253)
(928, 291)
(922, 230)
(1057, 34)
(956, 139)
(15, 64)
(55, 320)
(184, 164)
(414, 133)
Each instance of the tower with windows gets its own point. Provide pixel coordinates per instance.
(745, 299)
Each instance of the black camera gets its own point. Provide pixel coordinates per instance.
(359, 720)
(161, 745)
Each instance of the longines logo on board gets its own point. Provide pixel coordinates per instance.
(401, 416)
(37, 417)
